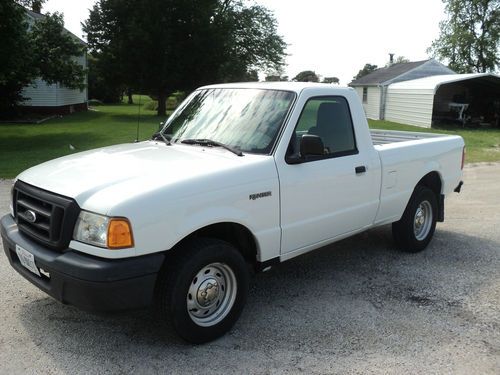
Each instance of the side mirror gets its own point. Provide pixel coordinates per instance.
(161, 125)
(310, 146)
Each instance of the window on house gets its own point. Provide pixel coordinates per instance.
(365, 94)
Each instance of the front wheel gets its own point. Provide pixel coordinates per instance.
(203, 289)
(415, 229)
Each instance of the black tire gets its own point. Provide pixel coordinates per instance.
(181, 274)
(404, 230)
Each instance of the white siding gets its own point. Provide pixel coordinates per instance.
(67, 96)
(43, 95)
(372, 105)
(409, 106)
(40, 94)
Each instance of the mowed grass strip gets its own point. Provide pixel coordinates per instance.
(23, 146)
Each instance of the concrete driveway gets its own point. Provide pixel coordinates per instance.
(358, 306)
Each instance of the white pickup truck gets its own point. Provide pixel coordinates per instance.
(240, 178)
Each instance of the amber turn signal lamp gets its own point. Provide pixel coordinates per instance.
(119, 234)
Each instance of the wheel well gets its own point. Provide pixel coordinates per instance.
(433, 181)
(236, 234)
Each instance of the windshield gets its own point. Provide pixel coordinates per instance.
(245, 119)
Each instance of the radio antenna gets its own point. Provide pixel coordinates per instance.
(138, 118)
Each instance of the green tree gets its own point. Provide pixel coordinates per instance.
(107, 75)
(16, 69)
(103, 83)
(250, 36)
(250, 76)
(470, 36)
(306, 76)
(401, 59)
(54, 52)
(155, 46)
(163, 46)
(276, 78)
(45, 50)
(367, 69)
(330, 80)
(398, 60)
(35, 5)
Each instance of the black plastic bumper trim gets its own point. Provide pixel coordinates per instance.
(440, 217)
(261, 266)
(82, 280)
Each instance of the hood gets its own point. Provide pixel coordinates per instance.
(129, 169)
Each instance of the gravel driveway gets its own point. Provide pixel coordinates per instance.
(358, 306)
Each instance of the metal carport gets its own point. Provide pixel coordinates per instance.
(462, 98)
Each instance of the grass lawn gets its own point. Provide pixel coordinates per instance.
(22, 146)
(25, 145)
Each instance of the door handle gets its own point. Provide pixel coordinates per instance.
(360, 169)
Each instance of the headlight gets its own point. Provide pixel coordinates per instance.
(92, 229)
(103, 231)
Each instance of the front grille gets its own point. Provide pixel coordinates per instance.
(45, 217)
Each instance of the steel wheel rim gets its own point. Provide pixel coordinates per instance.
(211, 294)
(422, 221)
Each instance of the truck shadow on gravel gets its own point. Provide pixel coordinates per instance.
(354, 295)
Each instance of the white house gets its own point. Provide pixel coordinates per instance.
(55, 98)
(372, 88)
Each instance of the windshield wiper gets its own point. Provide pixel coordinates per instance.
(160, 134)
(209, 142)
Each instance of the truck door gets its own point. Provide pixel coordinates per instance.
(327, 195)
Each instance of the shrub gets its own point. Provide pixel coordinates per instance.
(152, 105)
(172, 101)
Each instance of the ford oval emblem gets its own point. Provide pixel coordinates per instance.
(30, 216)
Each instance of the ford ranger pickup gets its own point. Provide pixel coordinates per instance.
(240, 178)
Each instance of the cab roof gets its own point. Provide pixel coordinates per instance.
(285, 86)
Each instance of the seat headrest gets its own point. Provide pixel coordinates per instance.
(326, 114)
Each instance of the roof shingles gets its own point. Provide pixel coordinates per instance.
(382, 75)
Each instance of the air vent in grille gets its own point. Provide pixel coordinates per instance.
(46, 217)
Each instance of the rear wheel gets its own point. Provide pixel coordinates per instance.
(415, 229)
(202, 290)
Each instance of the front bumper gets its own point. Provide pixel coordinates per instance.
(85, 281)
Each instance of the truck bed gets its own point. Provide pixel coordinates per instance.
(383, 137)
(402, 154)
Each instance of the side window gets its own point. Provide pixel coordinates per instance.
(329, 119)
(365, 94)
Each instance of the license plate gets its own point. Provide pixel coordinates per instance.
(27, 259)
